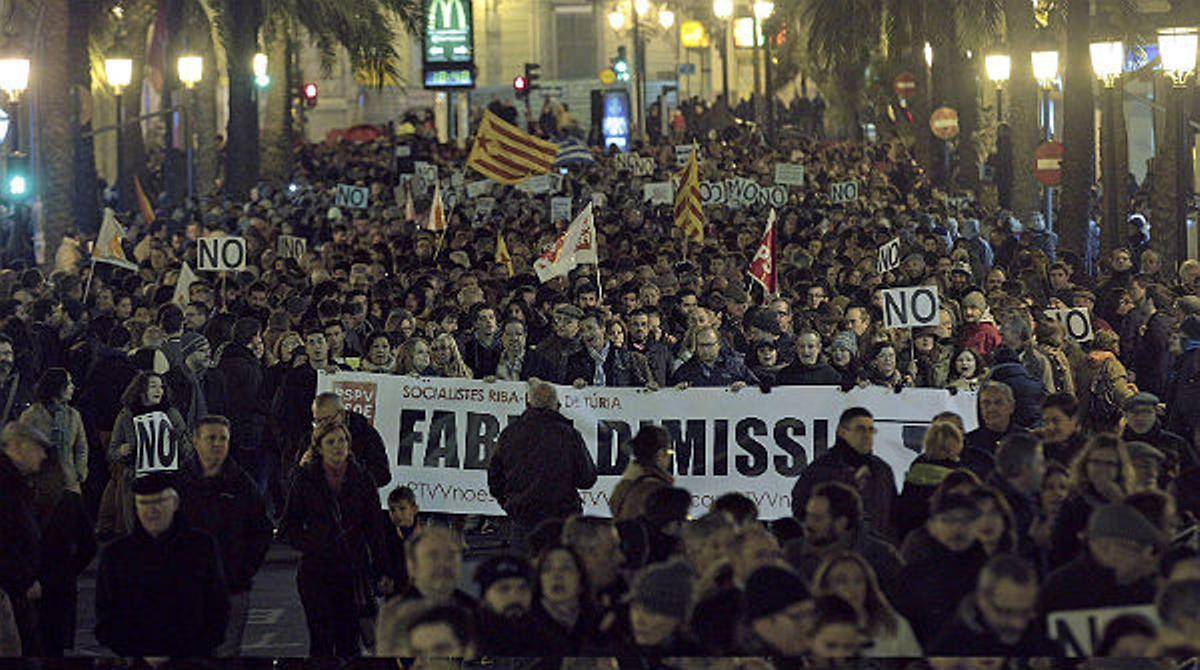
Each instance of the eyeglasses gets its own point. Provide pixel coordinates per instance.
(865, 430)
(1104, 463)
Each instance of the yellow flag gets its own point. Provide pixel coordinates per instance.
(502, 256)
(689, 215)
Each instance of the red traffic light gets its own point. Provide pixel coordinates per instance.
(310, 91)
(520, 83)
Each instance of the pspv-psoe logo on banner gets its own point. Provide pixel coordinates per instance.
(358, 397)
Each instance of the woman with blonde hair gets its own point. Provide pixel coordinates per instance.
(1105, 385)
(447, 360)
(847, 575)
(1102, 473)
(942, 454)
(413, 358)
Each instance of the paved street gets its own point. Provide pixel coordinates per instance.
(276, 623)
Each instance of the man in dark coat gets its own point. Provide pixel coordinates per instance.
(539, 462)
(365, 442)
(160, 591)
(1020, 465)
(712, 367)
(1118, 567)
(481, 347)
(506, 597)
(852, 462)
(640, 341)
(246, 406)
(197, 390)
(1000, 617)
(808, 369)
(600, 362)
(932, 586)
(996, 406)
(549, 359)
(224, 502)
(1142, 425)
(1028, 392)
(22, 453)
(16, 387)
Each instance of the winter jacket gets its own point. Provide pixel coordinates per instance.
(726, 370)
(1085, 584)
(621, 368)
(1150, 359)
(503, 637)
(1106, 364)
(1065, 452)
(197, 395)
(923, 477)
(878, 552)
(968, 634)
(481, 359)
(933, 371)
(230, 508)
(1183, 394)
(99, 397)
(549, 359)
(878, 490)
(20, 549)
(658, 359)
(163, 596)
(1179, 452)
(71, 447)
(246, 405)
(336, 534)
(539, 462)
(932, 587)
(1072, 519)
(799, 374)
(554, 639)
(1028, 391)
(638, 482)
(16, 393)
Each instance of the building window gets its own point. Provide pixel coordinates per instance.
(575, 41)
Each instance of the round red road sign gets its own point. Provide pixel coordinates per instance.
(944, 123)
(906, 85)
(1047, 163)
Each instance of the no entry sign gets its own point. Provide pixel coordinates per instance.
(944, 123)
(906, 85)
(1047, 163)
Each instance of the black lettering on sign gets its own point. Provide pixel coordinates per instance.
(482, 431)
(610, 435)
(221, 254)
(1064, 636)
(154, 446)
(925, 305)
(443, 441)
(914, 307)
(820, 438)
(689, 447)
(721, 447)
(754, 462)
(409, 435)
(791, 464)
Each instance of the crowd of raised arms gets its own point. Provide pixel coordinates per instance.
(1076, 487)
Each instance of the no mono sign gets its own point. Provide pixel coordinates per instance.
(913, 307)
(214, 254)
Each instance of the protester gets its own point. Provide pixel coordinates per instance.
(160, 590)
(506, 597)
(648, 471)
(850, 577)
(22, 456)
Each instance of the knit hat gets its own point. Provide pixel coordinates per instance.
(845, 340)
(501, 567)
(191, 342)
(1121, 521)
(153, 483)
(663, 588)
(1143, 451)
(962, 267)
(1141, 400)
(974, 299)
(770, 590)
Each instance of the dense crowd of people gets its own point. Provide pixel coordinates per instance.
(1078, 490)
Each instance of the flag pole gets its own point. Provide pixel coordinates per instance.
(599, 283)
(88, 287)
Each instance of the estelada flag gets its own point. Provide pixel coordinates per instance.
(762, 268)
(108, 247)
(502, 256)
(143, 202)
(576, 245)
(437, 212)
(504, 153)
(689, 215)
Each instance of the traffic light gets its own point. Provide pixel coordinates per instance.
(16, 184)
(532, 76)
(521, 86)
(309, 93)
(620, 65)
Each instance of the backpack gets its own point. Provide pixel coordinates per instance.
(1103, 408)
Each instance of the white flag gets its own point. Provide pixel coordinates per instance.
(183, 284)
(576, 245)
(108, 247)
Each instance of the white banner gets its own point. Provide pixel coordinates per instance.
(354, 197)
(658, 193)
(888, 257)
(215, 254)
(155, 448)
(440, 433)
(789, 174)
(1079, 631)
(479, 188)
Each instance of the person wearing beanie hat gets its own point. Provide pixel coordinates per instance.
(776, 613)
(1118, 566)
(161, 591)
(506, 598)
(647, 472)
(979, 332)
(660, 602)
(196, 387)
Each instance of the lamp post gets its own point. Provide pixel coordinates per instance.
(1177, 47)
(723, 10)
(118, 70)
(191, 71)
(763, 9)
(999, 68)
(14, 79)
(1045, 71)
(1108, 59)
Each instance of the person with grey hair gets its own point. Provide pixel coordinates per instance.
(539, 463)
(996, 407)
(1020, 465)
(1000, 617)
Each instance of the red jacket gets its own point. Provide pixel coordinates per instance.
(981, 337)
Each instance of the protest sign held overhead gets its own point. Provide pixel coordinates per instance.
(1076, 321)
(354, 197)
(155, 448)
(290, 246)
(889, 257)
(914, 307)
(215, 254)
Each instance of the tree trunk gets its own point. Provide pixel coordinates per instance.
(240, 21)
(86, 201)
(966, 82)
(1079, 132)
(1022, 107)
(139, 16)
(206, 157)
(920, 102)
(174, 169)
(58, 118)
(278, 133)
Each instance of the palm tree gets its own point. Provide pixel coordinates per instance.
(1023, 106)
(1079, 140)
(56, 119)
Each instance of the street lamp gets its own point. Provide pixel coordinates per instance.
(1177, 47)
(1108, 60)
(763, 9)
(191, 71)
(666, 19)
(723, 10)
(118, 70)
(14, 76)
(259, 65)
(14, 79)
(999, 69)
(616, 19)
(928, 51)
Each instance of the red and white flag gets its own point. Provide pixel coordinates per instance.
(577, 244)
(437, 212)
(762, 268)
